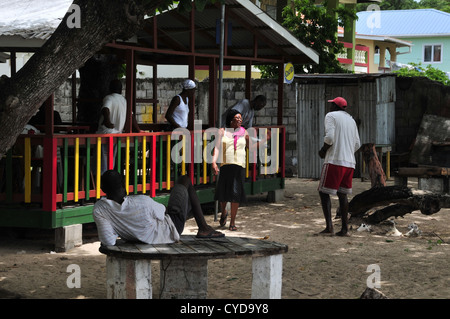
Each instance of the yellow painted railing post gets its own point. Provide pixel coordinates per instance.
(168, 163)
(247, 157)
(183, 156)
(99, 166)
(278, 149)
(77, 167)
(144, 164)
(127, 165)
(204, 159)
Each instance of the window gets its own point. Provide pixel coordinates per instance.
(432, 53)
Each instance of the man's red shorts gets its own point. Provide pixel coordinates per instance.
(335, 179)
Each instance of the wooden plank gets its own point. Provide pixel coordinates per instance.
(199, 248)
(217, 246)
(129, 248)
(147, 249)
(423, 171)
(192, 247)
(166, 249)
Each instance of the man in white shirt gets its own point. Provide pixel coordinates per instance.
(340, 144)
(140, 218)
(113, 117)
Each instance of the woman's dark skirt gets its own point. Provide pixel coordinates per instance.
(230, 187)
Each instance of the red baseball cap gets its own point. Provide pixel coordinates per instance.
(341, 102)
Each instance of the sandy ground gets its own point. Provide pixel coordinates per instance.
(315, 267)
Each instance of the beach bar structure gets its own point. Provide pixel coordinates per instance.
(51, 179)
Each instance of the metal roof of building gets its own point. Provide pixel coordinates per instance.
(29, 23)
(31, 19)
(404, 23)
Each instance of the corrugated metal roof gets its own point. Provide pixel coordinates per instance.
(31, 19)
(404, 23)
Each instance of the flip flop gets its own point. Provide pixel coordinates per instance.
(223, 220)
(232, 228)
(212, 234)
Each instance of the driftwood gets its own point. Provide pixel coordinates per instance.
(376, 173)
(404, 199)
(372, 293)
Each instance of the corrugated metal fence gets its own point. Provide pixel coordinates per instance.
(371, 101)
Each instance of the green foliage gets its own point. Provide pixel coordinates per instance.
(428, 71)
(317, 28)
(443, 5)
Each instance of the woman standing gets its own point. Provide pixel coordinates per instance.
(178, 111)
(232, 141)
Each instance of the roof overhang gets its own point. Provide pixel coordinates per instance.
(399, 43)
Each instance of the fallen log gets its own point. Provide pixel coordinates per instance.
(404, 199)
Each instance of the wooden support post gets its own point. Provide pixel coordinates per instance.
(280, 93)
(130, 89)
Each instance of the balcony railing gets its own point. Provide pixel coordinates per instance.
(361, 56)
(64, 170)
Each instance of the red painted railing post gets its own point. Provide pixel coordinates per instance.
(110, 152)
(153, 166)
(49, 175)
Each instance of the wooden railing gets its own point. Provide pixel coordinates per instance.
(64, 170)
(361, 56)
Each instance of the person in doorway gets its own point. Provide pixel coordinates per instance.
(113, 117)
(140, 218)
(247, 109)
(178, 111)
(340, 144)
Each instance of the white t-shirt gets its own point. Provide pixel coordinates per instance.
(117, 106)
(341, 133)
(138, 218)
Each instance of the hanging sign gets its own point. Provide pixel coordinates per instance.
(288, 72)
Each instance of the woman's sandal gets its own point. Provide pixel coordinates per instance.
(232, 228)
(223, 220)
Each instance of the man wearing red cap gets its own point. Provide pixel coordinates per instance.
(340, 144)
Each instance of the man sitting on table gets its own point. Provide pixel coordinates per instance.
(140, 218)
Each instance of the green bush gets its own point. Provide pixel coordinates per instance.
(428, 71)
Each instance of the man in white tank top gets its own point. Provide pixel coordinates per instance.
(178, 112)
